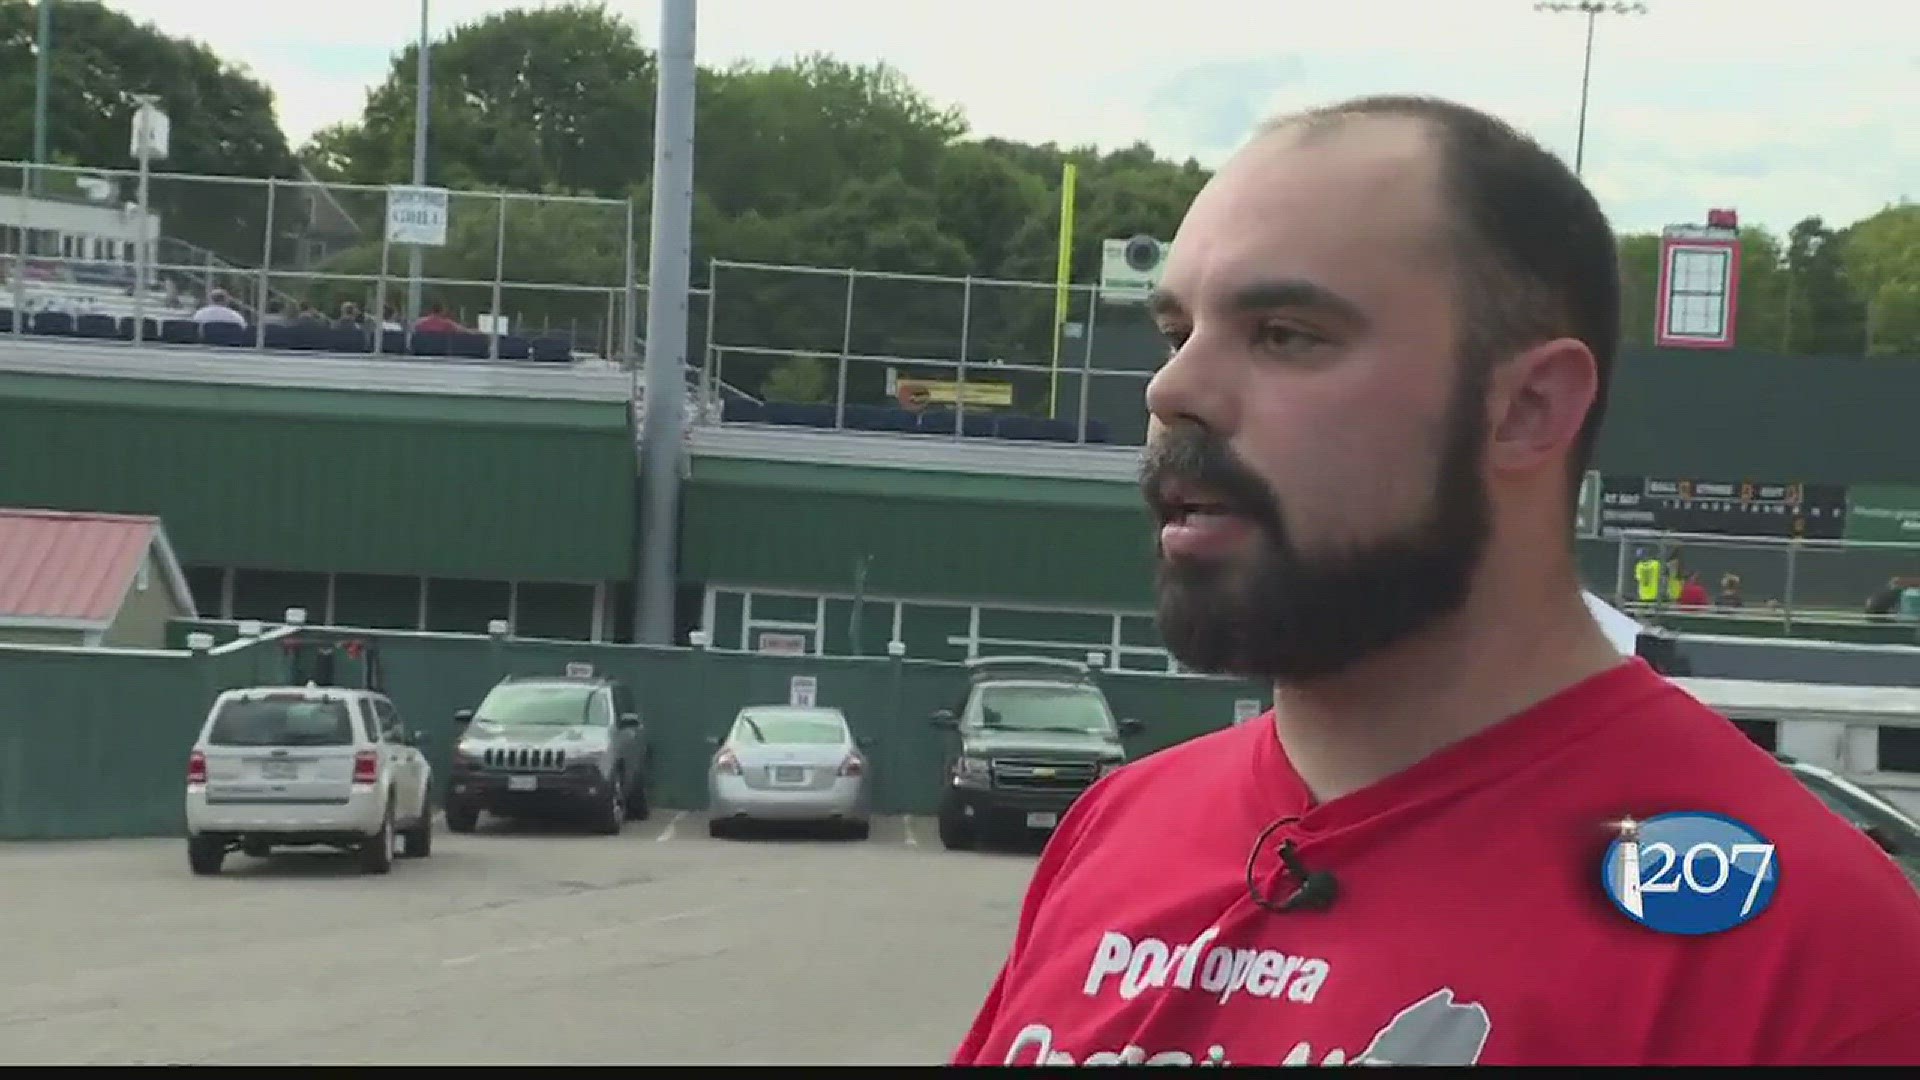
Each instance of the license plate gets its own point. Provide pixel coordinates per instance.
(1042, 821)
(279, 770)
(523, 783)
(789, 774)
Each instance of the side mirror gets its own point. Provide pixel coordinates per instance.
(1879, 836)
(865, 742)
(628, 721)
(1131, 727)
(943, 718)
(463, 716)
(418, 737)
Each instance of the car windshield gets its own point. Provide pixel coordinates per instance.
(535, 704)
(1041, 708)
(795, 727)
(290, 720)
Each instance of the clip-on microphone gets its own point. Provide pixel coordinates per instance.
(1315, 890)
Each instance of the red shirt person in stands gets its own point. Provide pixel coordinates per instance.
(436, 321)
(1392, 324)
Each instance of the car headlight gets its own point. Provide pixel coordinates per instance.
(972, 771)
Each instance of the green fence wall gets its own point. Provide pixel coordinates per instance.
(95, 744)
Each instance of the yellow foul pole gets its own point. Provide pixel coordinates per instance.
(1062, 272)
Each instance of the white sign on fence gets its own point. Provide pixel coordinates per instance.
(801, 690)
(416, 215)
(781, 644)
(152, 131)
(579, 670)
(1245, 709)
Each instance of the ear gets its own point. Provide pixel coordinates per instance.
(1541, 398)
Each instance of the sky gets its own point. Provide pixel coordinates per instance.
(1776, 109)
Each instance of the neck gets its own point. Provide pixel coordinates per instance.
(1515, 643)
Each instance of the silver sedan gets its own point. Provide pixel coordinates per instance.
(789, 763)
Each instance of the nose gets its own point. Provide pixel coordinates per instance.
(1185, 390)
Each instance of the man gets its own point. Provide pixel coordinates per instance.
(1392, 325)
(218, 308)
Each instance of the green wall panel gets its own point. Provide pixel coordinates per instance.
(922, 538)
(272, 479)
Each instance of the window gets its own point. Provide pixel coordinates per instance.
(1040, 708)
(600, 710)
(548, 704)
(788, 727)
(390, 727)
(283, 720)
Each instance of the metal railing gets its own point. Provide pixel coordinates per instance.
(512, 264)
(1795, 583)
(860, 348)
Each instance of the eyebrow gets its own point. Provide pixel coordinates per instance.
(1268, 295)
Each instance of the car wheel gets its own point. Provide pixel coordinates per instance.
(955, 834)
(637, 808)
(719, 828)
(205, 854)
(859, 830)
(417, 842)
(258, 849)
(611, 815)
(376, 851)
(461, 817)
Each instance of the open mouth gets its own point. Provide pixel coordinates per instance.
(1177, 503)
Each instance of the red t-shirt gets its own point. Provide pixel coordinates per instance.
(1471, 924)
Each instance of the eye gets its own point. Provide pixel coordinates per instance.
(1175, 337)
(1282, 338)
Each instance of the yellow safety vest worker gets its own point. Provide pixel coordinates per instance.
(1646, 577)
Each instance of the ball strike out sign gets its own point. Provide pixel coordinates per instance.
(1699, 294)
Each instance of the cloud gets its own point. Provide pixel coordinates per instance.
(1778, 108)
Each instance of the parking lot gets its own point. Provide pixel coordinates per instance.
(516, 944)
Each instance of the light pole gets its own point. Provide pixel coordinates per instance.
(420, 91)
(42, 72)
(1592, 9)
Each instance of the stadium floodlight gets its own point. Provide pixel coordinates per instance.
(1592, 9)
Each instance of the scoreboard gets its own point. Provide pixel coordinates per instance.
(1725, 507)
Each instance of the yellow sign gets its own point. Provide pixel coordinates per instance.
(918, 392)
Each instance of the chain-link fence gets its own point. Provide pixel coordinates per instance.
(137, 256)
(896, 351)
(1753, 577)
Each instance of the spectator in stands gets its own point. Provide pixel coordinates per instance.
(310, 315)
(436, 321)
(390, 321)
(1693, 594)
(351, 317)
(218, 308)
(1730, 595)
(278, 314)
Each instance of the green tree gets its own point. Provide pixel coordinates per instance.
(222, 120)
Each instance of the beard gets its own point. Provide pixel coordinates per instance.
(1292, 617)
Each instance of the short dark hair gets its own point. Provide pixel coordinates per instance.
(1536, 256)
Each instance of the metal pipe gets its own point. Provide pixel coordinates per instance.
(499, 270)
(42, 73)
(846, 346)
(422, 89)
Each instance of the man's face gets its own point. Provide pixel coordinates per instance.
(1315, 447)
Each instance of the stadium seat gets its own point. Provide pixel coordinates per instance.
(936, 422)
(6, 320)
(180, 332)
(346, 339)
(793, 415)
(548, 350)
(430, 343)
(53, 323)
(975, 424)
(469, 345)
(741, 411)
(96, 326)
(1025, 428)
(1097, 431)
(149, 331)
(861, 417)
(515, 347)
(392, 343)
(226, 334)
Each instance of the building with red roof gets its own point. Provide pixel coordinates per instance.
(88, 580)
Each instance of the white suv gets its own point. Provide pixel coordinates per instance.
(300, 766)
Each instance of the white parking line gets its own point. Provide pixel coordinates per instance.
(673, 824)
(906, 823)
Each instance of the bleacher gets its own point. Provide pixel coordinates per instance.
(299, 337)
